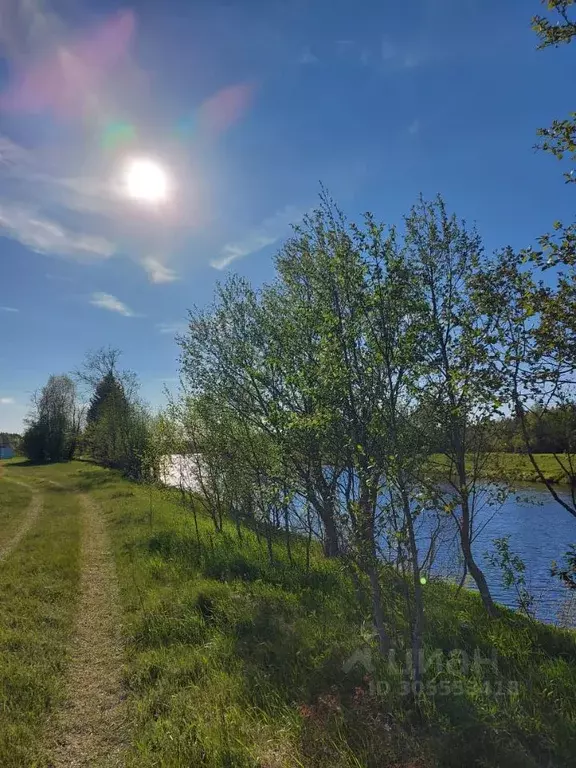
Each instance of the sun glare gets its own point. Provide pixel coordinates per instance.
(146, 181)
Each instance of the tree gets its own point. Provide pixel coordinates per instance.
(55, 422)
(532, 362)
(261, 371)
(116, 421)
(457, 381)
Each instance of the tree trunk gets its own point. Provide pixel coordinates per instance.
(377, 612)
(466, 541)
(475, 571)
(331, 543)
(418, 613)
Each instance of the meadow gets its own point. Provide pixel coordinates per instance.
(230, 659)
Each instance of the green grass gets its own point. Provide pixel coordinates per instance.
(13, 502)
(233, 662)
(38, 586)
(516, 467)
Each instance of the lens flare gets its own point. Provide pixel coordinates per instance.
(146, 181)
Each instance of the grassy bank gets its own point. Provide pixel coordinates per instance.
(234, 661)
(38, 586)
(515, 467)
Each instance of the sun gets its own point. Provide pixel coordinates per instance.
(146, 181)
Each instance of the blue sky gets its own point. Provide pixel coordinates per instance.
(248, 105)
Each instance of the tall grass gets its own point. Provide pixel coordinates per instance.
(236, 661)
(232, 660)
(38, 587)
(13, 502)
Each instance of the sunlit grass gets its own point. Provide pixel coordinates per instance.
(14, 500)
(233, 661)
(38, 587)
(513, 467)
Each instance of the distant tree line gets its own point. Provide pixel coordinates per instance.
(112, 428)
(13, 439)
(548, 430)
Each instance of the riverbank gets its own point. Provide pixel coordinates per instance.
(233, 659)
(516, 468)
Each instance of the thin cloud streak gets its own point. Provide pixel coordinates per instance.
(45, 236)
(307, 58)
(398, 57)
(110, 303)
(158, 272)
(172, 329)
(268, 233)
(7, 401)
(9, 309)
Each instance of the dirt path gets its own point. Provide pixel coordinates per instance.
(90, 730)
(32, 512)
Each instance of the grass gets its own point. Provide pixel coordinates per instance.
(38, 584)
(517, 467)
(234, 662)
(13, 503)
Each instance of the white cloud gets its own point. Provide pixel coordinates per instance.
(9, 309)
(110, 303)
(7, 401)
(307, 57)
(180, 326)
(158, 272)
(414, 127)
(268, 233)
(49, 237)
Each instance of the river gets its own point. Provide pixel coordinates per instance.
(540, 531)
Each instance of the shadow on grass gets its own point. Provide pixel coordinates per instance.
(22, 463)
(87, 480)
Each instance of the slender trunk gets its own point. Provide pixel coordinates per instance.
(418, 614)
(308, 538)
(370, 563)
(287, 530)
(377, 612)
(237, 521)
(463, 579)
(466, 540)
(194, 513)
(269, 542)
(474, 570)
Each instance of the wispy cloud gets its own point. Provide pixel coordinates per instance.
(11, 154)
(111, 303)
(49, 237)
(398, 56)
(7, 401)
(414, 127)
(180, 326)
(9, 309)
(307, 57)
(344, 45)
(158, 272)
(365, 57)
(268, 233)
